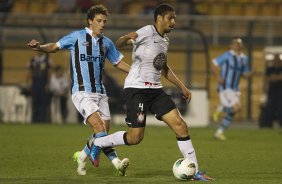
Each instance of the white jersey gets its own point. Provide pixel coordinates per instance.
(148, 56)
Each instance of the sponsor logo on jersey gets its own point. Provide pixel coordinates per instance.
(88, 58)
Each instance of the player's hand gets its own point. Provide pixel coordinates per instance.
(186, 94)
(132, 35)
(34, 44)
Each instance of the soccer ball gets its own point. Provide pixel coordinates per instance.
(184, 169)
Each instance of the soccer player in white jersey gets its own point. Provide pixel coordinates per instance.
(228, 69)
(143, 88)
(89, 49)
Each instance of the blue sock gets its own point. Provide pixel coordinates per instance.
(227, 119)
(86, 149)
(109, 151)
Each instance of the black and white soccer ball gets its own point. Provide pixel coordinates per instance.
(184, 169)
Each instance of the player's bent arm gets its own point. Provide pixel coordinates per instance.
(123, 66)
(47, 48)
(215, 70)
(170, 76)
(126, 39)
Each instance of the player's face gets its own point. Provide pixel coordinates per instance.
(168, 21)
(237, 45)
(97, 24)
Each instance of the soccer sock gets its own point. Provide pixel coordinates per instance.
(86, 150)
(226, 120)
(84, 153)
(114, 139)
(108, 151)
(187, 150)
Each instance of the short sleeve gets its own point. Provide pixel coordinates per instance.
(142, 34)
(220, 60)
(67, 41)
(113, 55)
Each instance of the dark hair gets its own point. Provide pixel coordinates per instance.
(94, 10)
(162, 9)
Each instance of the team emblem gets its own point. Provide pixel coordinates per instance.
(159, 61)
(140, 117)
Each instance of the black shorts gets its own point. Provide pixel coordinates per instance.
(139, 101)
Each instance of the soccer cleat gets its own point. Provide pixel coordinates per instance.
(81, 169)
(122, 166)
(201, 176)
(219, 136)
(95, 155)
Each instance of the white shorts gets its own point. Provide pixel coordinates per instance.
(229, 97)
(88, 103)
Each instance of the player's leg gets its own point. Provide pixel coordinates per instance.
(110, 152)
(174, 120)
(136, 120)
(230, 100)
(216, 116)
(80, 156)
(85, 104)
(172, 117)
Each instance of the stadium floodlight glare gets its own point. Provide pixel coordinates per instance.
(280, 57)
(269, 57)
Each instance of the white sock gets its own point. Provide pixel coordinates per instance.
(220, 130)
(82, 155)
(188, 151)
(116, 161)
(114, 139)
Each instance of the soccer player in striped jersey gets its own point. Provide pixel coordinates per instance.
(228, 69)
(89, 50)
(143, 88)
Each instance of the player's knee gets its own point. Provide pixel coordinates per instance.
(180, 128)
(133, 140)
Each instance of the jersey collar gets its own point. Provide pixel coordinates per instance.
(233, 53)
(89, 31)
(158, 31)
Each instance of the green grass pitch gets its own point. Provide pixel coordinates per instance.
(37, 154)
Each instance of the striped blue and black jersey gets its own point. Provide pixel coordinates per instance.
(232, 67)
(88, 56)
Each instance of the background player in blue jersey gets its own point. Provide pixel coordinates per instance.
(89, 49)
(228, 69)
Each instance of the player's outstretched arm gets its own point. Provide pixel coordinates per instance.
(123, 66)
(170, 76)
(47, 48)
(126, 39)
